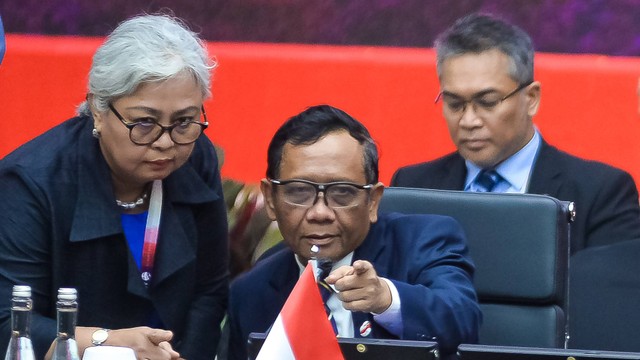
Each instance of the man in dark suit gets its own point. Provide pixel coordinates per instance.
(489, 97)
(397, 276)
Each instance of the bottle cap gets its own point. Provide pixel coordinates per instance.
(69, 294)
(21, 290)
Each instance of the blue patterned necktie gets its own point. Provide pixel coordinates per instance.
(326, 291)
(487, 180)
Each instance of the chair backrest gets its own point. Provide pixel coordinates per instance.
(604, 312)
(520, 246)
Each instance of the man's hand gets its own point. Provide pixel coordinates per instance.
(360, 288)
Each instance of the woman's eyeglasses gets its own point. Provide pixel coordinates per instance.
(149, 131)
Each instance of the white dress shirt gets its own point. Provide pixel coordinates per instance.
(390, 319)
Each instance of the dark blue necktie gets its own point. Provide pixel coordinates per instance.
(326, 291)
(487, 180)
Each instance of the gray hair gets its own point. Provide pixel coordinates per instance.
(146, 48)
(477, 33)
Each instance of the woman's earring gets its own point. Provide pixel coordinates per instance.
(95, 133)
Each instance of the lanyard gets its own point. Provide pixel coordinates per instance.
(151, 232)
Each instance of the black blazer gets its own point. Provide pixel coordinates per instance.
(606, 198)
(60, 227)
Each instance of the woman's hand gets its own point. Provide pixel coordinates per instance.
(146, 342)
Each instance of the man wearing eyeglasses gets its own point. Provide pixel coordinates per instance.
(489, 97)
(396, 276)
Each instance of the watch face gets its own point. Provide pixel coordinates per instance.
(99, 336)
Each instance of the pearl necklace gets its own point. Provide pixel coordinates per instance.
(133, 204)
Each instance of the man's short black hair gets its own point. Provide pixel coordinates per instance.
(310, 126)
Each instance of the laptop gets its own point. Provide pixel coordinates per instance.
(491, 352)
(369, 349)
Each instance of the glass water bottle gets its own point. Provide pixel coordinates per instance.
(20, 346)
(65, 347)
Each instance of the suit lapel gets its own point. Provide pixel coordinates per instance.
(546, 177)
(283, 280)
(372, 250)
(363, 325)
(454, 173)
(178, 236)
(176, 249)
(96, 214)
(134, 281)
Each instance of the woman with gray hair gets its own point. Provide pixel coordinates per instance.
(124, 203)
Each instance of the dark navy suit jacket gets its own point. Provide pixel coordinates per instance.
(60, 227)
(425, 256)
(606, 198)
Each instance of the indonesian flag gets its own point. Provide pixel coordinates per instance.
(302, 330)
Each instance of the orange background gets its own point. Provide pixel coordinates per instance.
(589, 103)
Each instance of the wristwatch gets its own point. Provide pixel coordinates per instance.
(99, 336)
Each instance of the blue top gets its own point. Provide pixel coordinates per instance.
(133, 226)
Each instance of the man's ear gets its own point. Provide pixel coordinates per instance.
(533, 98)
(267, 192)
(374, 201)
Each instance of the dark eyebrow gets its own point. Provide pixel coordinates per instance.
(187, 110)
(476, 95)
(145, 109)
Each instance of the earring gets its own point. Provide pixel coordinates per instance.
(95, 133)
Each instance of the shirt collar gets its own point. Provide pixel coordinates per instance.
(342, 262)
(515, 170)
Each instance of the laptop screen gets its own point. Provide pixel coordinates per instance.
(370, 349)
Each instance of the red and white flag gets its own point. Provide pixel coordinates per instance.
(302, 330)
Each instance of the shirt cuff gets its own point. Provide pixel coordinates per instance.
(391, 319)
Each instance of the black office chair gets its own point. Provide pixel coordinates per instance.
(604, 313)
(520, 246)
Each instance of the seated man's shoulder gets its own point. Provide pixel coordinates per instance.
(396, 218)
(411, 223)
(427, 237)
(585, 169)
(405, 175)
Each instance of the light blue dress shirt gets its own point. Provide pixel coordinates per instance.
(515, 170)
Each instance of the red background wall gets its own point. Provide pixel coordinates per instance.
(589, 103)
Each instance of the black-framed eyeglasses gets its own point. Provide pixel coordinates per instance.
(148, 131)
(337, 195)
(482, 104)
